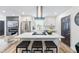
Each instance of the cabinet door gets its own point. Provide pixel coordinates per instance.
(65, 30)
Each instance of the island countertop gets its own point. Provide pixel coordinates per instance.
(29, 35)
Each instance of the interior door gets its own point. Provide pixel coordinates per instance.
(65, 30)
(1, 27)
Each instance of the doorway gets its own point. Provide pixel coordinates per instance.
(65, 30)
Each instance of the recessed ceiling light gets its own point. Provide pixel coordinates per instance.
(23, 13)
(3, 11)
(55, 13)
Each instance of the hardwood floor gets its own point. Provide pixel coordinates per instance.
(62, 49)
(65, 49)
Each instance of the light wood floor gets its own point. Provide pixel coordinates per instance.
(65, 49)
(62, 49)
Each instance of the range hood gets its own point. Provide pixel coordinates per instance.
(39, 12)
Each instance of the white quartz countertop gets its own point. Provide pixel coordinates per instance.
(29, 35)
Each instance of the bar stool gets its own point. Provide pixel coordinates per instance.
(50, 44)
(23, 44)
(37, 46)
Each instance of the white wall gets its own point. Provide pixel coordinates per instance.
(74, 28)
(50, 20)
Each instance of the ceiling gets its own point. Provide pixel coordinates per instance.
(31, 10)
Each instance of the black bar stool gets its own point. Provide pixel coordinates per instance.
(50, 44)
(23, 44)
(37, 46)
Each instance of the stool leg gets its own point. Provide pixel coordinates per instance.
(22, 51)
(52, 51)
(56, 50)
(42, 51)
(25, 51)
(32, 50)
(16, 50)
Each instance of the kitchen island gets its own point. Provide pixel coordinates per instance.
(56, 38)
(29, 35)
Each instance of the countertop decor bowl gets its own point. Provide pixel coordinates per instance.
(49, 32)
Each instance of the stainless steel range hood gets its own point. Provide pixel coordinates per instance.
(39, 12)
